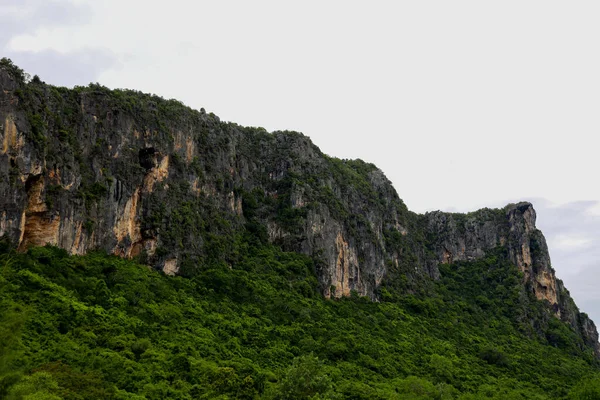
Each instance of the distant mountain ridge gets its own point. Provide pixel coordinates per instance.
(140, 176)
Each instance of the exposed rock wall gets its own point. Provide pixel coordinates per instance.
(459, 237)
(466, 237)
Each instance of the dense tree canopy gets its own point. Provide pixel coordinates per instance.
(98, 326)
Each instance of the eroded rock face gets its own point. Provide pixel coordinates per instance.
(127, 228)
(38, 226)
(156, 174)
(173, 188)
(464, 240)
(459, 237)
(170, 267)
(12, 141)
(465, 237)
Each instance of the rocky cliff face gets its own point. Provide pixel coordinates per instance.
(139, 176)
(467, 237)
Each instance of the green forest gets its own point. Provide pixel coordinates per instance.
(102, 327)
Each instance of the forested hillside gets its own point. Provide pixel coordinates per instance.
(101, 327)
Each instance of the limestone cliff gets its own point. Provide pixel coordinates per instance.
(139, 176)
(466, 237)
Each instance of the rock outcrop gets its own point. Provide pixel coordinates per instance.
(459, 237)
(139, 176)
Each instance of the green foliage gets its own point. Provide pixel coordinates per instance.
(106, 328)
(38, 129)
(306, 378)
(17, 73)
(38, 386)
(494, 356)
(587, 389)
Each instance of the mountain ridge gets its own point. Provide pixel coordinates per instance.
(144, 177)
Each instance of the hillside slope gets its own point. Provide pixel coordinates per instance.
(103, 327)
(147, 178)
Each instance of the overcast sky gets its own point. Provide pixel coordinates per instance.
(463, 104)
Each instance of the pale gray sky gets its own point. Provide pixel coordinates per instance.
(462, 104)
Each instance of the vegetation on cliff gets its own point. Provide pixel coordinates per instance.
(101, 327)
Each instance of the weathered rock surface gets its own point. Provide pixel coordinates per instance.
(459, 237)
(139, 176)
(467, 237)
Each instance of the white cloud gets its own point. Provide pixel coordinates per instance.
(24, 22)
(569, 242)
(594, 210)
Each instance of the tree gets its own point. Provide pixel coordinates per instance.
(16, 72)
(38, 386)
(586, 389)
(306, 378)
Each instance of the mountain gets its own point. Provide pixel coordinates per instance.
(148, 179)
